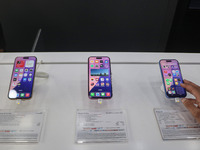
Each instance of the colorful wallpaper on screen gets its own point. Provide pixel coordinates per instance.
(99, 78)
(172, 78)
(22, 78)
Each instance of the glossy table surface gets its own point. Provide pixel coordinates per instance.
(136, 83)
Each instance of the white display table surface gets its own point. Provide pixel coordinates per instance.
(136, 83)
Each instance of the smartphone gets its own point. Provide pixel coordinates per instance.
(99, 77)
(22, 79)
(172, 78)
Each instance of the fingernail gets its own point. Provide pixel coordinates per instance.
(183, 100)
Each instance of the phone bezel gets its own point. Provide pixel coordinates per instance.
(164, 81)
(33, 78)
(110, 80)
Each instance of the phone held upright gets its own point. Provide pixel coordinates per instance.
(99, 77)
(172, 78)
(22, 79)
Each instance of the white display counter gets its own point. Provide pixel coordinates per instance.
(136, 83)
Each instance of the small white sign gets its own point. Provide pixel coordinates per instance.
(101, 126)
(177, 124)
(20, 126)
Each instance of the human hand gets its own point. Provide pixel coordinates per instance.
(189, 102)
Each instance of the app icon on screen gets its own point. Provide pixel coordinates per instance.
(102, 94)
(165, 71)
(15, 75)
(30, 74)
(168, 83)
(21, 74)
(91, 61)
(26, 70)
(107, 84)
(92, 84)
(107, 79)
(97, 94)
(14, 84)
(25, 75)
(173, 92)
(96, 61)
(101, 61)
(22, 94)
(31, 70)
(21, 70)
(170, 92)
(101, 65)
(91, 66)
(102, 79)
(92, 79)
(102, 84)
(176, 83)
(14, 79)
(97, 79)
(175, 79)
(97, 84)
(20, 64)
(29, 79)
(91, 94)
(27, 95)
(24, 79)
(16, 70)
(29, 63)
(106, 61)
(107, 94)
(96, 65)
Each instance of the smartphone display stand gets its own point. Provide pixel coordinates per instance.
(37, 75)
(41, 74)
(100, 100)
(177, 100)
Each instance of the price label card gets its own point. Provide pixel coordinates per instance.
(177, 124)
(101, 126)
(20, 126)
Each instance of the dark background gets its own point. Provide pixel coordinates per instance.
(185, 32)
(88, 25)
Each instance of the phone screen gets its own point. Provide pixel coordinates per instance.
(172, 78)
(99, 77)
(21, 84)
